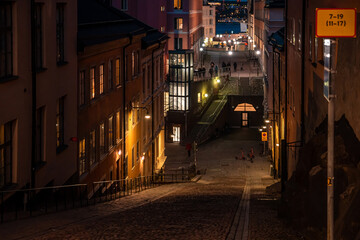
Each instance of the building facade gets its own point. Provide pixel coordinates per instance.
(121, 79)
(209, 20)
(37, 126)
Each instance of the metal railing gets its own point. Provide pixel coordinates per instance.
(25, 203)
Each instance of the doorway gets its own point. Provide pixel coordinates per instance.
(176, 134)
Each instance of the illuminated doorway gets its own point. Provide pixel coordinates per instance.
(176, 134)
(244, 119)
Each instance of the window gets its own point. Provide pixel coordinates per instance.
(92, 148)
(6, 135)
(102, 139)
(111, 132)
(162, 8)
(179, 23)
(118, 127)
(162, 29)
(124, 5)
(60, 33)
(199, 97)
(316, 50)
(210, 21)
(101, 78)
(132, 157)
(178, 43)
(82, 88)
(177, 4)
(110, 77)
(144, 80)
(38, 36)
(210, 12)
(92, 83)
(117, 72)
(245, 121)
(299, 40)
(137, 151)
(133, 64)
(40, 135)
(6, 50)
(210, 30)
(60, 123)
(82, 159)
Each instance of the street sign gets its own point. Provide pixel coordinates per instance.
(335, 23)
(264, 136)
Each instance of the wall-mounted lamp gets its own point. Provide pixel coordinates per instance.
(206, 95)
(147, 115)
(119, 152)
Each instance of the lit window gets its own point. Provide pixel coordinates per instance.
(82, 159)
(162, 29)
(293, 32)
(299, 41)
(199, 97)
(177, 4)
(92, 83)
(162, 8)
(101, 78)
(117, 72)
(178, 23)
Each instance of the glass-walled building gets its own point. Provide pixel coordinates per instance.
(181, 70)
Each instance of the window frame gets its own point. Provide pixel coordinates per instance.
(60, 32)
(6, 32)
(7, 134)
(60, 121)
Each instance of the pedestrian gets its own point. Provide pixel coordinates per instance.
(228, 66)
(211, 71)
(235, 66)
(188, 148)
(203, 71)
(251, 154)
(216, 69)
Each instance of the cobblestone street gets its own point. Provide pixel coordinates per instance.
(214, 207)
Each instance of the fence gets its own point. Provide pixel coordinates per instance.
(24, 203)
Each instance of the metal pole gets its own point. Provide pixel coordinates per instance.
(330, 170)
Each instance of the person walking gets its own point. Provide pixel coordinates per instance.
(251, 154)
(211, 71)
(188, 148)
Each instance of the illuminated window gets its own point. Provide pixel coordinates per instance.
(101, 78)
(177, 4)
(293, 32)
(162, 29)
(117, 72)
(179, 23)
(82, 159)
(199, 97)
(92, 83)
(162, 8)
(299, 40)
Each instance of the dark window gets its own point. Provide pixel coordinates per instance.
(6, 50)
(137, 151)
(92, 148)
(102, 139)
(144, 79)
(6, 135)
(178, 43)
(60, 123)
(111, 132)
(82, 88)
(40, 135)
(132, 157)
(60, 7)
(110, 77)
(124, 5)
(38, 36)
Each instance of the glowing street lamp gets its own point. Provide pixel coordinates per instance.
(257, 52)
(267, 121)
(230, 53)
(201, 49)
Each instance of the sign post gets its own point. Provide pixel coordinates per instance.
(330, 24)
(264, 139)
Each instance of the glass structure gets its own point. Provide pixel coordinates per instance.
(181, 71)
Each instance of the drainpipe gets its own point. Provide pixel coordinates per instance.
(124, 102)
(284, 147)
(302, 125)
(153, 110)
(33, 93)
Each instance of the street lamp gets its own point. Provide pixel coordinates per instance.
(147, 115)
(230, 53)
(257, 52)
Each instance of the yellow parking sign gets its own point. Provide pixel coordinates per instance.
(335, 23)
(264, 136)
